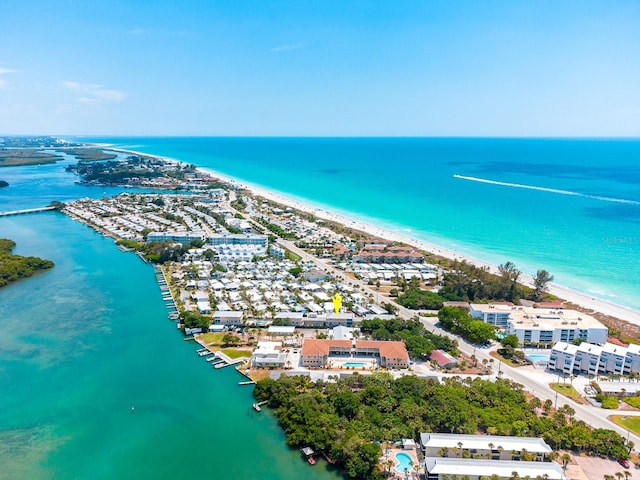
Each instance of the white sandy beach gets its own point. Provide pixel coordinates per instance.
(585, 301)
(565, 293)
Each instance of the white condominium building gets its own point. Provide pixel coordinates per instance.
(541, 325)
(608, 359)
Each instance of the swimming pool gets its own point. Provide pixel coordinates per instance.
(355, 364)
(405, 464)
(538, 358)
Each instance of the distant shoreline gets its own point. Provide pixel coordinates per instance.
(565, 293)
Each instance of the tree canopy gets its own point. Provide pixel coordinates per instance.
(419, 341)
(457, 320)
(15, 267)
(349, 418)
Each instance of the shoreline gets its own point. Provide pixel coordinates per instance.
(583, 300)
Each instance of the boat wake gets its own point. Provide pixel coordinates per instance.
(547, 189)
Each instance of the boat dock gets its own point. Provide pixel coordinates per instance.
(248, 382)
(257, 406)
(167, 296)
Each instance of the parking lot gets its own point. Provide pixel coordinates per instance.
(594, 468)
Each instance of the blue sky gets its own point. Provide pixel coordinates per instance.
(233, 67)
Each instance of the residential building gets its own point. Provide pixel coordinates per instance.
(438, 468)
(541, 325)
(391, 354)
(496, 314)
(228, 317)
(175, 236)
(500, 447)
(268, 354)
(381, 253)
(443, 359)
(477, 456)
(608, 359)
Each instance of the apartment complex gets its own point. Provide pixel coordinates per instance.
(607, 359)
(478, 456)
(391, 354)
(541, 325)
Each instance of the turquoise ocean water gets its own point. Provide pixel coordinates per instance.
(82, 343)
(566, 205)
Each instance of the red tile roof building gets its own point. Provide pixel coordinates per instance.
(392, 354)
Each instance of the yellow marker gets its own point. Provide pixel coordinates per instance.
(337, 302)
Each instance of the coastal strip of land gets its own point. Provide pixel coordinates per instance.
(587, 302)
(567, 294)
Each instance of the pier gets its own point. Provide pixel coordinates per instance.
(26, 210)
(256, 406)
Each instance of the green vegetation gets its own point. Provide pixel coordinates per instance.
(345, 419)
(419, 341)
(417, 299)
(467, 282)
(540, 284)
(629, 422)
(13, 157)
(195, 320)
(295, 271)
(632, 401)
(15, 267)
(89, 154)
(160, 252)
(608, 402)
(212, 338)
(457, 320)
(277, 229)
(235, 353)
(567, 390)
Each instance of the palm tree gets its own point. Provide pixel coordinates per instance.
(566, 458)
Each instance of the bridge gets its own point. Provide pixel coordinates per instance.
(26, 210)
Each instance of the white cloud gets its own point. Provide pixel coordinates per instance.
(4, 71)
(93, 93)
(286, 48)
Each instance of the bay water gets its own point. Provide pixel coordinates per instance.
(83, 343)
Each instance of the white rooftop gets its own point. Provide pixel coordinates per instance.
(502, 468)
(481, 442)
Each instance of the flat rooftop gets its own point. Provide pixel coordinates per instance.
(481, 442)
(502, 468)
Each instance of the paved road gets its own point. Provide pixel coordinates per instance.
(591, 415)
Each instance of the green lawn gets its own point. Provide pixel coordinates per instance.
(633, 401)
(233, 353)
(568, 391)
(627, 421)
(212, 338)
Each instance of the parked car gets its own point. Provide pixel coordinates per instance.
(624, 462)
